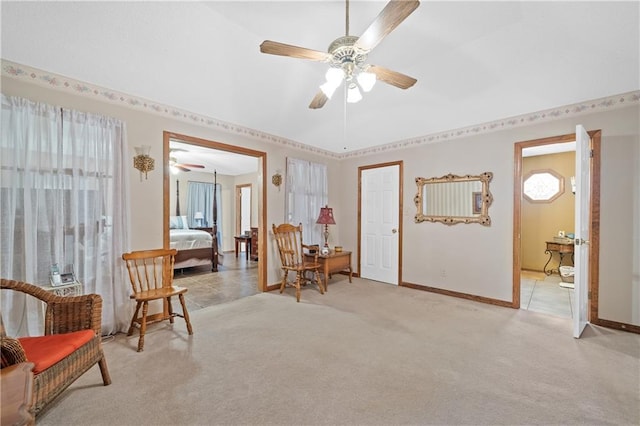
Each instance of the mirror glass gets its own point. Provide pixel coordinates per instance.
(454, 199)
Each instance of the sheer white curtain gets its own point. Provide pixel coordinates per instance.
(200, 199)
(306, 189)
(63, 190)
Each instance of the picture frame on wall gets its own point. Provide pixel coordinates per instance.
(477, 202)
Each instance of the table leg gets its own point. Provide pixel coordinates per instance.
(237, 243)
(550, 271)
(247, 248)
(326, 275)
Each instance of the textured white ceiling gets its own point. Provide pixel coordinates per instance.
(474, 61)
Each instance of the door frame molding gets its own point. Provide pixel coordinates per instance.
(262, 193)
(400, 165)
(594, 216)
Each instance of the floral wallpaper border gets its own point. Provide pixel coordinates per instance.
(43, 78)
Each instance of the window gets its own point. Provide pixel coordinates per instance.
(543, 186)
(62, 201)
(306, 191)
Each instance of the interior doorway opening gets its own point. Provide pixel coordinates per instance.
(259, 171)
(594, 221)
(548, 213)
(243, 209)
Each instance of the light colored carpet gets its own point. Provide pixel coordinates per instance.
(364, 353)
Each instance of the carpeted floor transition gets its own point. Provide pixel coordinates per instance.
(364, 353)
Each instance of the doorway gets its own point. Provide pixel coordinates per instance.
(260, 173)
(243, 208)
(380, 222)
(548, 224)
(594, 220)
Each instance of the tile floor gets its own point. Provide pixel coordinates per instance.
(236, 278)
(542, 293)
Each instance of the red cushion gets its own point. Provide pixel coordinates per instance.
(45, 351)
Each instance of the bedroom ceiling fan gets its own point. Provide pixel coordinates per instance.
(173, 161)
(347, 56)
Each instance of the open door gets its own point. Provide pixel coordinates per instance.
(581, 251)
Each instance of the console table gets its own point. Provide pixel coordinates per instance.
(333, 262)
(562, 249)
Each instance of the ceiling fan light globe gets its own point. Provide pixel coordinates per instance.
(353, 94)
(366, 80)
(328, 89)
(334, 76)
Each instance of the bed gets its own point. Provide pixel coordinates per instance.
(196, 247)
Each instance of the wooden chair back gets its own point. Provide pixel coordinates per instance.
(292, 255)
(290, 246)
(150, 269)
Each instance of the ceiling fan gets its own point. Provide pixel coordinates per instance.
(173, 161)
(347, 55)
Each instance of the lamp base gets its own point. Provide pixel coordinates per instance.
(325, 250)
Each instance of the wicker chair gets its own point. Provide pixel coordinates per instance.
(74, 320)
(292, 256)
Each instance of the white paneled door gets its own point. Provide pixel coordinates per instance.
(581, 253)
(380, 237)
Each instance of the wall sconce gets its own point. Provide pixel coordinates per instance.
(276, 179)
(573, 185)
(142, 161)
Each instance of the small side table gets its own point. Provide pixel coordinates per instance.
(70, 289)
(333, 262)
(561, 249)
(246, 239)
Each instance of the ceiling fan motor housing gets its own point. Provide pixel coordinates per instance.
(346, 56)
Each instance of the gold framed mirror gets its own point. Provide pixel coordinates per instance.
(454, 199)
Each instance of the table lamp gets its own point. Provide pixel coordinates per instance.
(326, 219)
(199, 217)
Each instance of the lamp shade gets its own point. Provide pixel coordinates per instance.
(198, 215)
(326, 216)
(353, 94)
(366, 80)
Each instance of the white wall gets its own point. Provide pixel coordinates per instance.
(146, 196)
(478, 260)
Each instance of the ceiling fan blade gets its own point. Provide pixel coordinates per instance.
(177, 150)
(391, 16)
(184, 169)
(193, 166)
(319, 100)
(281, 49)
(393, 78)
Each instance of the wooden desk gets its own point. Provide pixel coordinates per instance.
(17, 394)
(246, 239)
(333, 262)
(561, 249)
